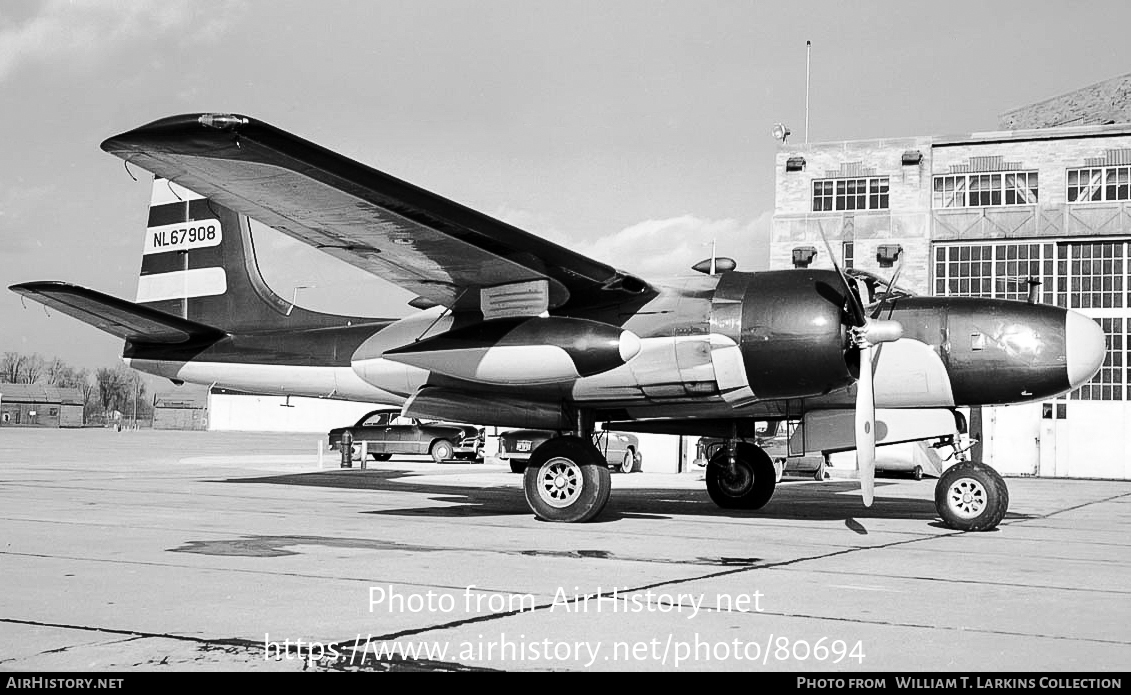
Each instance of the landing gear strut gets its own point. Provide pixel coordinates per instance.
(748, 483)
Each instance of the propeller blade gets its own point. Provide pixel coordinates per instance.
(890, 290)
(866, 427)
(855, 307)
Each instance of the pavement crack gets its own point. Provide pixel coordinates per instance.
(1066, 509)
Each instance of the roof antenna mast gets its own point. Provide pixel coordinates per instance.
(808, 49)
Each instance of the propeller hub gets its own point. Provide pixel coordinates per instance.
(874, 332)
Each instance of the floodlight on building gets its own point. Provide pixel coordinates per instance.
(912, 158)
(803, 256)
(795, 164)
(888, 254)
(779, 132)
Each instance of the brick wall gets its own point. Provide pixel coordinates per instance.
(1104, 102)
(911, 222)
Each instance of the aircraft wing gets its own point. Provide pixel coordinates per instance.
(444, 252)
(117, 317)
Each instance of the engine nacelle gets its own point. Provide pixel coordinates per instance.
(522, 350)
(789, 328)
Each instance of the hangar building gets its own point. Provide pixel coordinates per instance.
(981, 214)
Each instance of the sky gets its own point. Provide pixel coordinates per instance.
(633, 131)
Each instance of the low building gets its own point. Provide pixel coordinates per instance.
(181, 411)
(35, 405)
(242, 412)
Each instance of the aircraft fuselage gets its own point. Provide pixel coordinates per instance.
(737, 345)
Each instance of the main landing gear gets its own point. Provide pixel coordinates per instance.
(747, 482)
(567, 479)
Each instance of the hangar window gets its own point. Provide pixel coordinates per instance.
(1097, 184)
(1091, 275)
(985, 189)
(851, 194)
(994, 270)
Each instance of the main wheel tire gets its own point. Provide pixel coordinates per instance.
(628, 463)
(382, 457)
(749, 486)
(971, 496)
(518, 466)
(442, 450)
(917, 474)
(567, 479)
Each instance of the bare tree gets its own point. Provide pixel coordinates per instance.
(12, 367)
(110, 388)
(34, 368)
(56, 372)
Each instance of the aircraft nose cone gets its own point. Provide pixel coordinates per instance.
(1085, 347)
(629, 345)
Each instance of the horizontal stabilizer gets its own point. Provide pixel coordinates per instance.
(117, 317)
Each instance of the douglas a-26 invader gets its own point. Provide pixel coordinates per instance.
(509, 329)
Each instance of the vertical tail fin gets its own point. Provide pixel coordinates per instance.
(198, 263)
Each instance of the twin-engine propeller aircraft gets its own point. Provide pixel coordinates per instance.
(509, 329)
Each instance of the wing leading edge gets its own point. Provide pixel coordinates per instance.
(427, 244)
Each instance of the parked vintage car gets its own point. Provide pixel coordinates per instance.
(387, 432)
(621, 450)
(771, 437)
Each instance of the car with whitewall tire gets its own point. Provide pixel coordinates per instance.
(386, 433)
(621, 450)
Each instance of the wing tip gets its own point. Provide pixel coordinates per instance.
(185, 127)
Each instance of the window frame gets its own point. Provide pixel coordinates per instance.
(993, 189)
(1098, 190)
(850, 194)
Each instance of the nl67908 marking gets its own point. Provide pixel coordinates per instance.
(183, 236)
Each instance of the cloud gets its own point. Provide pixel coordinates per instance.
(86, 30)
(655, 248)
(663, 247)
(15, 202)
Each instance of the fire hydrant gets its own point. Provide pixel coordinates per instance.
(346, 446)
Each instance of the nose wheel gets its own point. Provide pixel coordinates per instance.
(971, 496)
(567, 479)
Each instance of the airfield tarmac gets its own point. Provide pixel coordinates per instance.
(151, 551)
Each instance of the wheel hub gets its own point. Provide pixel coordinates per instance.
(560, 482)
(967, 498)
(737, 480)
